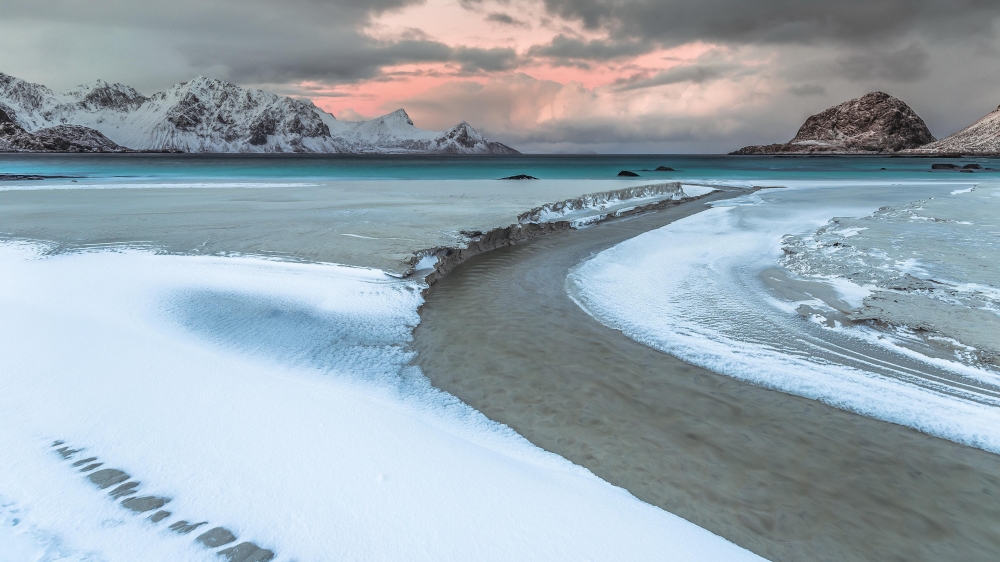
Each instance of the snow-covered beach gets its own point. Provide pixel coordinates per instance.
(273, 399)
(800, 331)
(240, 345)
(268, 397)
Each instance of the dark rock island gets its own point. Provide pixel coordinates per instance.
(876, 123)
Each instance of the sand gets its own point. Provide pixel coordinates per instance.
(786, 477)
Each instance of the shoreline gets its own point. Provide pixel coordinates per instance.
(787, 477)
(449, 257)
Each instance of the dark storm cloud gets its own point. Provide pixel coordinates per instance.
(568, 48)
(505, 19)
(694, 73)
(489, 60)
(255, 41)
(908, 64)
(674, 22)
(803, 90)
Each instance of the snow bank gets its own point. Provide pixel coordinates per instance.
(694, 289)
(273, 398)
(595, 207)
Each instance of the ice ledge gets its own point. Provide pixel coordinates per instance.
(579, 212)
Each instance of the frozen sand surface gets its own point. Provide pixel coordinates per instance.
(271, 398)
(929, 265)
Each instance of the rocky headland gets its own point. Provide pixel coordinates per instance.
(981, 138)
(875, 123)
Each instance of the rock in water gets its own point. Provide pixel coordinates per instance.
(520, 177)
(876, 123)
(664, 169)
(627, 174)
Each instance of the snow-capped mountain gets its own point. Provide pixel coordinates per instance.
(981, 137)
(207, 115)
(61, 138)
(875, 123)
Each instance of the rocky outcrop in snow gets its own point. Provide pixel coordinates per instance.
(61, 138)
(875, 123)
(981, 138)
(207, 115)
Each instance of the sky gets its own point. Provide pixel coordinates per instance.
(609, 76)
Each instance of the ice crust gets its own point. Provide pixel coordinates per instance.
(273, 398)
(592, 208)
(370, 223)
(694, 289)
(930, 265)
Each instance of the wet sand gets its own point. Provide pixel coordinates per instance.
(786, 477)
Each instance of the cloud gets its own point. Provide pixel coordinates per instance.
(244, 41)
(475, 59)
(695, 73)
(505, 19)
(563, 47)
(807, 90)
(349, 114)
(544, 115)
(770, 63)
(908, 64)
(673, 22)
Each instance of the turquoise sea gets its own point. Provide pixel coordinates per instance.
(132, 167)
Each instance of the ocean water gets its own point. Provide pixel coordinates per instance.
(163, 168)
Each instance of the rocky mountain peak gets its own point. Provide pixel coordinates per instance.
(102, 95)
(464, 135)
(398, 116)
(22, 95)
(875, 123)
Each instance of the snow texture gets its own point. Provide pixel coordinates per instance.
(693, 289)
(273, 399)
(60, 138)
(981, 137)
(595, 207)
(207, 115)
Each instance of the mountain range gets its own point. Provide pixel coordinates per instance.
(206, 115)
(878, 123)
